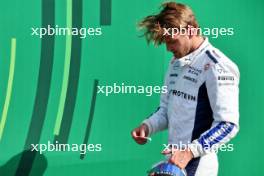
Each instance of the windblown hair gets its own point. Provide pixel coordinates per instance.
(172, 15)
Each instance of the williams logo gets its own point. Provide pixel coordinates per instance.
(222, 71)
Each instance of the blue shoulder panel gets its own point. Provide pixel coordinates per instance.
(211, 57)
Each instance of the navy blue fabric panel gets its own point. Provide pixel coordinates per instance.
(192, 166)
(204, 114)
(211, 57)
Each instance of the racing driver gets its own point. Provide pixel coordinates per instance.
(200, 107)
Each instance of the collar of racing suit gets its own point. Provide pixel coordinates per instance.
(187, 60)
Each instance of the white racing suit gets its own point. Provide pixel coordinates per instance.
(200, 108)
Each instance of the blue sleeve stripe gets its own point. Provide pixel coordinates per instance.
(223, 135)
(213, 131)
(211, 56)
(216, 134)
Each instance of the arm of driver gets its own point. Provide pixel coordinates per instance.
(222, 84)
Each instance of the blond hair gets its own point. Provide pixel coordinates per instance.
(172, 15)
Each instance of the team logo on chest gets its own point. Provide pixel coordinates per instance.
(190, 79)
(194, 71)
(183, 95)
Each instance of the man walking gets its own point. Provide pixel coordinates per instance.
(200, 108)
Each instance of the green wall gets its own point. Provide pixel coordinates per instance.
(43, 81)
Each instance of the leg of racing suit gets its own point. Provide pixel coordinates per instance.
(206, 165)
